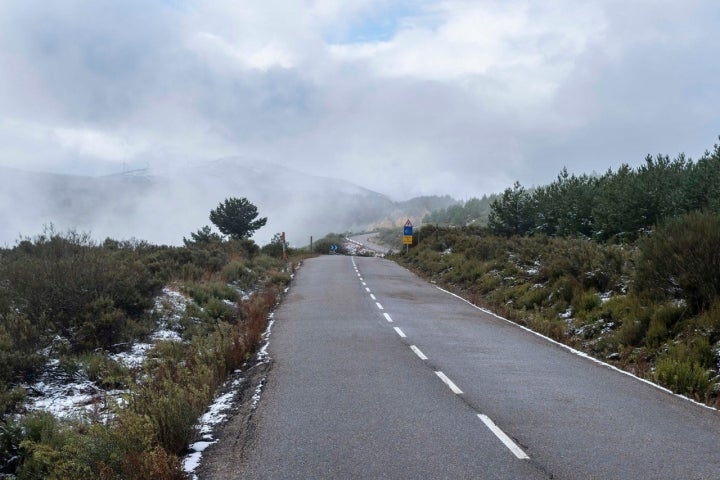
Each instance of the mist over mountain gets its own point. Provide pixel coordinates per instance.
(164, 208)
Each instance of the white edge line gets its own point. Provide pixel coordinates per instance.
(579, 353)
(373, 296)
(418, 352)
(400, 332)
(512, 446)
(379, 306)
(387, 317)
(449, 382)
(367, 289)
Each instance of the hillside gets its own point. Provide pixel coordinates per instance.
(162, 208)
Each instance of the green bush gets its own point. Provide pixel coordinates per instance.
(533, 297)
(680, 260)
(663, 322)
(220, 310)
(104, 371)
(683, 377)
(11, 435)
(202, 292)
(238, 273)
(65, 284)
(19, 340)
(586, 301)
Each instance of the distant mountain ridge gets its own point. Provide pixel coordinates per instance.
(164, 208)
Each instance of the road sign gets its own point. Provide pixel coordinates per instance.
(407, 229)
(407, 239)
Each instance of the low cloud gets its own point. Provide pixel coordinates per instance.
(406, 98)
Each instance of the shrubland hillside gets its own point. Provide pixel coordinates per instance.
(135, 338)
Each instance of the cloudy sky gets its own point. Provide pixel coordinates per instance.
(403, 97)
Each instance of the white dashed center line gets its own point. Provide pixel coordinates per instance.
(418, 352)
(512, 446)
(448, 382)
(502, 436)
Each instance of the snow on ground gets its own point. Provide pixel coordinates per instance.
(216, 412)
(75, 396)
(67, 396)
(215, 415)
(605, 296)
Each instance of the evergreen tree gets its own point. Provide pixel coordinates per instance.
(513, 213)
(236, 217)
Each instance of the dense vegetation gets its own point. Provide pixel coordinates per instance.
(625, 266)
(617, 206)
(67, 302)
(474, 211)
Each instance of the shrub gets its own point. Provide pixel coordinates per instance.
(19, 340)
(632, 330)
(680, 260)
(104, 371)
(238, 273)
(662, 323)
(586, 301)
(683, 377)
(220, 310)
(11, 435)
(535, 296)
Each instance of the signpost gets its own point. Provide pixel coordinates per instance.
(407, 235)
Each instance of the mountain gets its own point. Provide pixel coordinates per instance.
(164, 208)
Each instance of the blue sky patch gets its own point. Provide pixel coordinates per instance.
(377, 24)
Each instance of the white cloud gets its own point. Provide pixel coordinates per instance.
(457, 96)
(93, 143)
(221, 55)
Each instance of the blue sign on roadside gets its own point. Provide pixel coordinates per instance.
(407, 230)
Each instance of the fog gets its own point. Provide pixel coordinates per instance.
(404, 98)
(164, 209)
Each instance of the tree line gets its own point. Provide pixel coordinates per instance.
(616, 206)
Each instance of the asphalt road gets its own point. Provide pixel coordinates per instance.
(378, 374)
(368, 241)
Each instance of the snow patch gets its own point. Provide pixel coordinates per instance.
(76, 396)
(216, 414)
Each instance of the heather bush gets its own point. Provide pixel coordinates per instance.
(680, 261)
(238, 273)
(682, 376)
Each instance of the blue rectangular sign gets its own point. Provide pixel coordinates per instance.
(407, 230)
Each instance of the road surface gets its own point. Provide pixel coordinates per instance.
(367, 240)
(378, 374)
